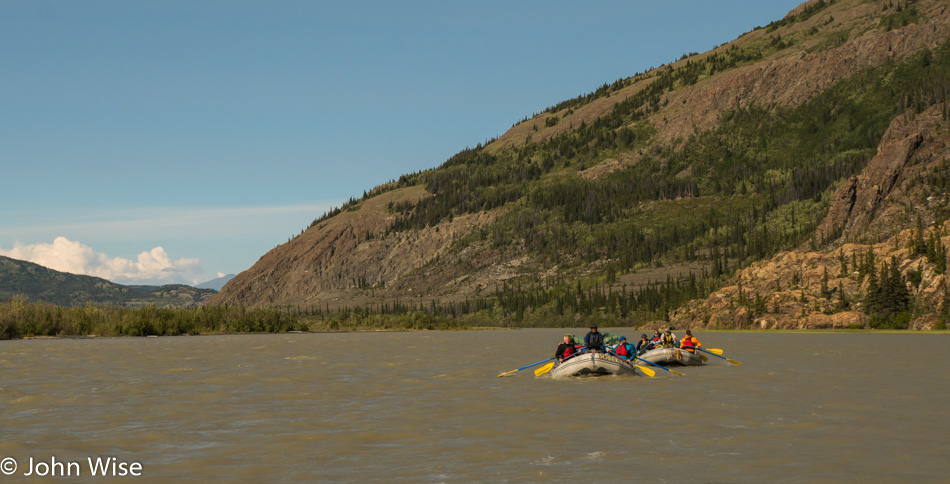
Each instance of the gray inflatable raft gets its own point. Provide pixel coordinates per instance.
(672, 356)
(592, 364)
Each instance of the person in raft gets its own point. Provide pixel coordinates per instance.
(594, 341)
(669, 339)
(644, 344)
(624, 350)
(565, 349)
(657, 338)
(689, 342)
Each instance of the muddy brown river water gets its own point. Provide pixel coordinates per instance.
(429, 407)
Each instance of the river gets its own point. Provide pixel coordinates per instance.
(429, 407)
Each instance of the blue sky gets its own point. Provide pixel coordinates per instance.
(215, 130)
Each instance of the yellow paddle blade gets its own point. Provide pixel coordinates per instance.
(544, 369)
(734, 362)
(676, 372)
(507, 373)
(714, 350)
(650, 373)
(704, 357)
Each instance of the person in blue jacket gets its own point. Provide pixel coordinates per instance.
(594, 341)
(625, 350)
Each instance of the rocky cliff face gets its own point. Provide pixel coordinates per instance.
(872, 207)
(354, 259)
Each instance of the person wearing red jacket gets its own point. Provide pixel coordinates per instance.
(565, 349)
(624, 350)
(689, 342)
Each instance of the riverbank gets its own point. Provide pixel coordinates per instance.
(20, 319)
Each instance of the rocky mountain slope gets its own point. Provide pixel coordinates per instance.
(820, 130)
(825, 288)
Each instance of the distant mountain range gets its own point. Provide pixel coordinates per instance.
(821, 133)
(36, 282)
(216, 283)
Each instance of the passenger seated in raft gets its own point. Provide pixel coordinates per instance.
(669, 339)
(690, 343)
(594, 341)
(624, 350)
(657, 338)
(565, 349)
(644, 344)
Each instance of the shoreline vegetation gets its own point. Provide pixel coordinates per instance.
(22, 319)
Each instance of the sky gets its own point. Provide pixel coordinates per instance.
(177, 141)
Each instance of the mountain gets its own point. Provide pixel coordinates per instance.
(645, 199)
(216, 283)
(36, 282)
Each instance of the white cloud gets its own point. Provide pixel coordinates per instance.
(151, 267)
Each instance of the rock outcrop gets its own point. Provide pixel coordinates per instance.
(807, 289)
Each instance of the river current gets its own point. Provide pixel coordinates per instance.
(429, 407)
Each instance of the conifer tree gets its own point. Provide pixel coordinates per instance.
(825, 291)
(918, 246)
(872, 295)
(843, 302)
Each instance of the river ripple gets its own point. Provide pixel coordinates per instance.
(428, 407)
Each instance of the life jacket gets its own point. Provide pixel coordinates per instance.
(687, 344)
(622, 350)
(568, 351)
(668, 340)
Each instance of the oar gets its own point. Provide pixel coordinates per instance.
(648, 372)
(715, 350)
(546, 368)
(523, 367)
(659, 366)
(734, 362)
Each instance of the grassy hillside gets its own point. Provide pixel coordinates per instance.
(38, 283)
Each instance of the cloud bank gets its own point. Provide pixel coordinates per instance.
(151, 267)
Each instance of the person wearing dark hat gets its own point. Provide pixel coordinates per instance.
(594, 341)
(624, 350)
(644, 344)
(690, 343)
